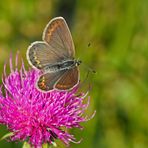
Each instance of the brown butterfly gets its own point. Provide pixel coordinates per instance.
(54, 56)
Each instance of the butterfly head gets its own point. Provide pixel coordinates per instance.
(78, 62)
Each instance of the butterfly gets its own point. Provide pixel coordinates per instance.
(54, 57)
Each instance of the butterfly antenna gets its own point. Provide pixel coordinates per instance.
(86, 77)
(89, 68)
(84, 82)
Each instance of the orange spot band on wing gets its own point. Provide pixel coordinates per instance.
(42, 84)
(60, 86)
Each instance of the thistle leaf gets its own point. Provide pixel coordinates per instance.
(6, 136)
(26, 145)
(45, 145)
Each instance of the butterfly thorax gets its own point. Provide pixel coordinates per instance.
(64, 65)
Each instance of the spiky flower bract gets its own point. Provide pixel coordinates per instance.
(35, 116)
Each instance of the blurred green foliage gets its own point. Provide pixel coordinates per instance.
(117, 31)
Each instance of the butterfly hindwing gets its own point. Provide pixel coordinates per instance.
(46, 81)
(68, 80)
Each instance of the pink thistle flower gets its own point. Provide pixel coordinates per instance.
(35, 116)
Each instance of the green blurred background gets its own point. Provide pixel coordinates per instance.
(117, 31)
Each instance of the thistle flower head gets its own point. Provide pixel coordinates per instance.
(35, 116)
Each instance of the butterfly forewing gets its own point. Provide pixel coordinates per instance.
(57, 35)
(40, 54)
(68, 80)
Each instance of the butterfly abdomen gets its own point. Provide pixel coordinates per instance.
(68, 64)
